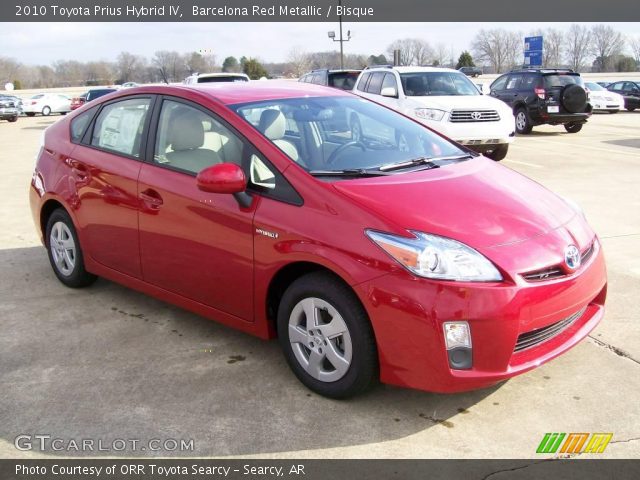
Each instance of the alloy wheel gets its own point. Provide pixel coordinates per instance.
(63, 248)
(320, 339)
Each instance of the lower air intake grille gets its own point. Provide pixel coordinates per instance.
(536, 337)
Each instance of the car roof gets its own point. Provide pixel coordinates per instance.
(221, 74)
(244, 92)
(412, 69)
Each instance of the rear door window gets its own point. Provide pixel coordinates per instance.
(119, 126)
(79, 124)
(375, 84)
(513, 82)
(557, 80)
(362, 84)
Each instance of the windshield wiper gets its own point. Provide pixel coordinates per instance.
(429, 162)
(348, 172)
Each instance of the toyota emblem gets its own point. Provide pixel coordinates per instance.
(572, 257)
(476, 115)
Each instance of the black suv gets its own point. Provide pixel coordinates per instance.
(471, 71)
(540, 96)
(342, 79)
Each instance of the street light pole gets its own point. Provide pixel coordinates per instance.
(332, 36)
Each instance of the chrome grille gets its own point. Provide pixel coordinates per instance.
(536, 337)
(474, 116)
(556, 271)
(544, 274)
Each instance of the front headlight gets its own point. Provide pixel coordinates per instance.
(429, 113)
(432, 256)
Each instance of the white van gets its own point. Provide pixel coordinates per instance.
(445, 100)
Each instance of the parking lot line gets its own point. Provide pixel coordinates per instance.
(520, 162)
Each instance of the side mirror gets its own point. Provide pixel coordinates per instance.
(222, 178)
(389, 92)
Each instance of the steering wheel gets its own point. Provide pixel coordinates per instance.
(342, 148)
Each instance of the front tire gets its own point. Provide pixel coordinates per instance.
(64, 251)
(523, 124)
(498, 153)
(630, 109)
(13, 119)
(326, 336)
(30, 114)
(46, 111)
(573, 127)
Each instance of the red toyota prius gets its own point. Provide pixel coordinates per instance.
(371, 246)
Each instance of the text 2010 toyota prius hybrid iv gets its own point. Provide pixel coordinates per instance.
(393, 254)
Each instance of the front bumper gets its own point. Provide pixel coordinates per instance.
(9, 112)
(476, 133)
(407, 314)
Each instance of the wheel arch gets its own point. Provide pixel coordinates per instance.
(284, 277)
(46, 210)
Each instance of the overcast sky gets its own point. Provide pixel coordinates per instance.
(43, 43)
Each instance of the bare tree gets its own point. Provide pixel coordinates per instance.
(578, 42)
(130, 67)
(634, 43)
(413, 51)
(170, 65)
(98, 73)
(440, 54)
(499, 47)
(199, 63)
(422, 52)
(8, 69)
(606, 44)
(69, 73)
(553, 48)
(299, 61)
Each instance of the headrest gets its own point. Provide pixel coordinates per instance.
(273, 124)
(185, 131)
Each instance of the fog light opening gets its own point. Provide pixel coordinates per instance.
(457, 337)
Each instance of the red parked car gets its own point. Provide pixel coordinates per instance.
(389, 253)
(77, 102)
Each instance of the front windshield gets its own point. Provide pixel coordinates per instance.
(433, 84)
(594, 86)
(343, 133)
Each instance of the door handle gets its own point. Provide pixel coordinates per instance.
(151, 199)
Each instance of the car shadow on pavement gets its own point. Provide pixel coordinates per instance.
(106, 363)
(625, 142)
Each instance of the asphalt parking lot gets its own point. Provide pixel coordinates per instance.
(106, 362)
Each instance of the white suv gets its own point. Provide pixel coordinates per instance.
(445, 100)
(215, 78)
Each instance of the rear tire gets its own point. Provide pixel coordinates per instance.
(523, 124)
(30, 114)
(613, 111)
(326, 336)
(64, 251)
(498, 153)
(630, 109)
(13, 119)
(46, 111)
(573, 127)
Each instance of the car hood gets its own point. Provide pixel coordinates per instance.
(460, 102)
(478, 202)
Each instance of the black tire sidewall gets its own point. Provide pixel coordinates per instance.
(528, 127)
(363, 371)
(79, 277)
